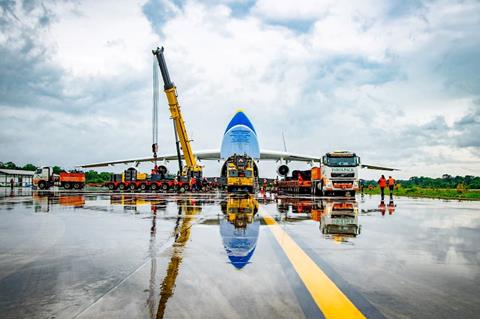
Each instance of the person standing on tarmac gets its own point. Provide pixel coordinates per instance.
(382, 182)
(391, 185)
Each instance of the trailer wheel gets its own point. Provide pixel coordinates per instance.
(154, 187)
(181, 189)
(121, 187)
(111, 187)
(76, 185)
(67, 186)
(143, 186)
(132, 187)
(165, 187)
(41, 185)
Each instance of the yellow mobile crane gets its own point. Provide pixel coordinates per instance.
(191, 169)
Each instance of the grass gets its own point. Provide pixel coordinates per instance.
(430, 193)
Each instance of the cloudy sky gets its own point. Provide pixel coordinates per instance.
(396, 81)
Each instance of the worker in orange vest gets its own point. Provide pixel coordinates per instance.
(300, 179)
(193, 184)
(391, 185)
(382, 182)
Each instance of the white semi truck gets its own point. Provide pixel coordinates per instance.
(338, 174)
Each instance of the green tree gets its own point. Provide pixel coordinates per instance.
(95, 177)
(57, 169)
(29, 167)
(10, 165)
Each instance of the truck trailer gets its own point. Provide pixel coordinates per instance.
(131, 179)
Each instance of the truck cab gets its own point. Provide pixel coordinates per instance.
(338, 174)
(43, 177)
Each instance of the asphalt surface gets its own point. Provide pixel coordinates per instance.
(133, 255)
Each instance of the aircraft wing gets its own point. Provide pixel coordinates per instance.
(380, 168)
(201, 155)
(206, 155)
(286, 156)
(125, 161)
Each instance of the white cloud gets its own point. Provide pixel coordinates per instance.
(97, 38)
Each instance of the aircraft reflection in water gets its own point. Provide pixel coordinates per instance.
(43, 201)
(338, 219)
(239, 228)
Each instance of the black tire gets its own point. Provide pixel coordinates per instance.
(42, 185)
(132, 187)
(154, 187)
(181, 189)
(165, 187)
(77, 186)
(111, 186)
(121, 187)
(67, 185)
(143, 187)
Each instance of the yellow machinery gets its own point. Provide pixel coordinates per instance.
(191, 168)
(240, 172)
(241, 210)
(187, 211)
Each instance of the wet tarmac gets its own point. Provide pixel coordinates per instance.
(101, 255)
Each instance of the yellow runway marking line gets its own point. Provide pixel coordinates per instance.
(329, 298)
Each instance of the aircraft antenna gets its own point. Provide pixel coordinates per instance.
(284, 142)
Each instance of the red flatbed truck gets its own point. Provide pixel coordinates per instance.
(165, 185)
(132, 180)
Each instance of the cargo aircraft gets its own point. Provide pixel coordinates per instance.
(240, 137)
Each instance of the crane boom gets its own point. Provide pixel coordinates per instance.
(191, 167)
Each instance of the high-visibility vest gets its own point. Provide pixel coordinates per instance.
(382, 182)
(391, 182)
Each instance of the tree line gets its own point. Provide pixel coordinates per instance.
(90, 176)
(444, 182)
